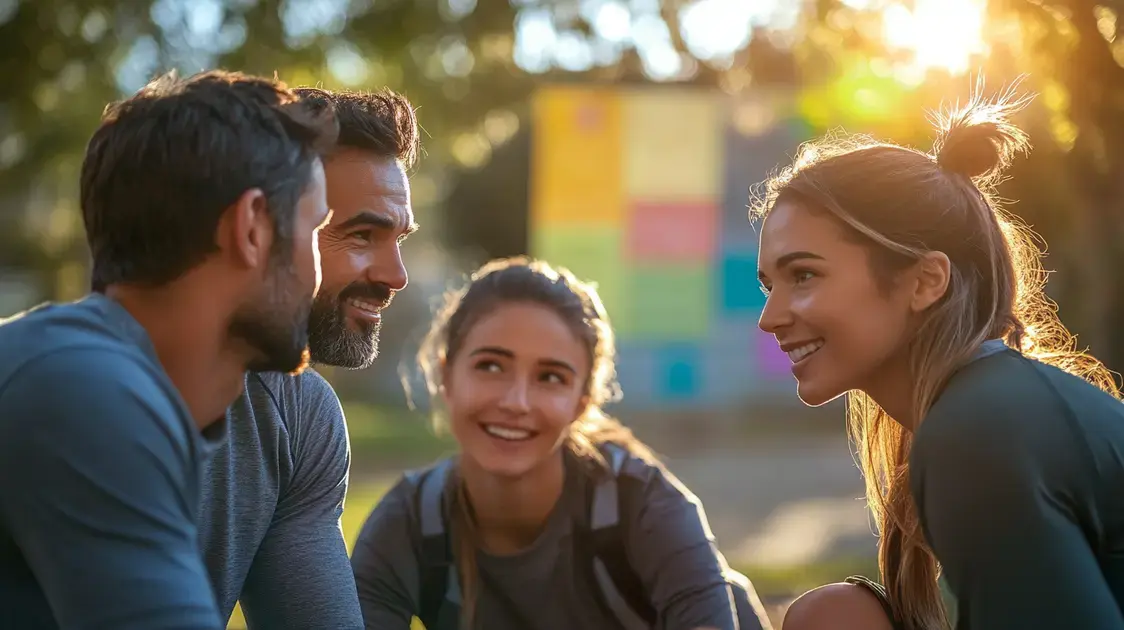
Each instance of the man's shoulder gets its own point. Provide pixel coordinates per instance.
(49, 328)
(307, 382)
(289, 395)
(297, 412)
(72, 345)
(101, 386)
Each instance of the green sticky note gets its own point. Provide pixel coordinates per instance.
(590, 252)
(668, 302)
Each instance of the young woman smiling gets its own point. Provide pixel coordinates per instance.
(553, 516)
(989, 443)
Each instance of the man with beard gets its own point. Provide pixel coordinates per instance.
(274, 493)
(202, 199)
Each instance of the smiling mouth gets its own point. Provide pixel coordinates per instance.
(508, 434)
(366, 307)
(796, 355)
(362, 310)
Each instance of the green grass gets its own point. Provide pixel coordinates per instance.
(392, 439)
(770, 581)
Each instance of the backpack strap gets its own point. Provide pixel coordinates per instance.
(621, 589)
(439, 592)
(604, 557)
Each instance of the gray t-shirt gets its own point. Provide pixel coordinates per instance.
(99, 477)
(668, 543)
(271, 504)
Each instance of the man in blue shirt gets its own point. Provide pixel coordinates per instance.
(202, 199)
(274, 491)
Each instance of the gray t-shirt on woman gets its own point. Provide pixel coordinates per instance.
(668, 543)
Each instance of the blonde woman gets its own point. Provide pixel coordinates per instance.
(991, 447)
(552, 516)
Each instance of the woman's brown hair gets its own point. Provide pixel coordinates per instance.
(902, 204)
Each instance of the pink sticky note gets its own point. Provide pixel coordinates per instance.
(672, 231)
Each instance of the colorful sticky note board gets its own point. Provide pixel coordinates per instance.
(645, 191)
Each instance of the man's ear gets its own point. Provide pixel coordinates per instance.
(932, 275)
(245, 231)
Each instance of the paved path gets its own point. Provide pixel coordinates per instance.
(782, 500)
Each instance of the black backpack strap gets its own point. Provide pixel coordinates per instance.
(439, 593)
(621, 589)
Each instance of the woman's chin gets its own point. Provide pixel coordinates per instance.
(501, 467)
(816, 394)
(506, 470)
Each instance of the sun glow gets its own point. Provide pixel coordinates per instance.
(941, 34)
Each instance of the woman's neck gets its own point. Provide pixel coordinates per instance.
(892, 390)
(510, 513)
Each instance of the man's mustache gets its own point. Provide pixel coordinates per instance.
(377, 293)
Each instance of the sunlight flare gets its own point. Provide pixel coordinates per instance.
(941, 34)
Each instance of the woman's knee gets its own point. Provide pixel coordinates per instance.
(836, 607)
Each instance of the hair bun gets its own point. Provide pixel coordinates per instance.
(978, 141)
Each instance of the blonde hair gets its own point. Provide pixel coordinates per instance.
(903, 203)
(521, 279)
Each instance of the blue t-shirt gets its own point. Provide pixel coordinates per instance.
(99, 477)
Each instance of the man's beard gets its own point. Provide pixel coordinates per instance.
(332, 341)
(276, 325)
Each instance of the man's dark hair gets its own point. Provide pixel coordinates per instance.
(167, 162)
(382, 122)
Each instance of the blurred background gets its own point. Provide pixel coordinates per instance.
(620, 138)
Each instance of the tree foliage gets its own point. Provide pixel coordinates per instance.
(62, 60)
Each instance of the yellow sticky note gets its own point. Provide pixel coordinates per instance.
(576, 156)
(673, 144)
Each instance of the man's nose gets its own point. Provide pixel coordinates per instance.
(389, 270)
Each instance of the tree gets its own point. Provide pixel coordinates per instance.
(62, 60)
(1076, 43)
